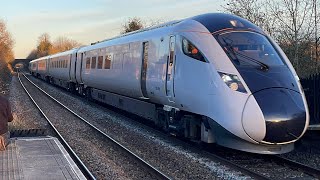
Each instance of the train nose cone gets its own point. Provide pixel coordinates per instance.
(284, 114)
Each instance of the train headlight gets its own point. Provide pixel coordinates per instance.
(233, 82)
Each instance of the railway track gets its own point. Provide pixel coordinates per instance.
(39, 96)
(254, 165)
(266, 165)
(269, 166)
(71, 152)
(296, 165)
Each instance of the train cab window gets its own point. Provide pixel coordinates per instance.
(100, 62)
(107, 61)
(94, 62)
(249, 48)
(88, 63)
(191, 50)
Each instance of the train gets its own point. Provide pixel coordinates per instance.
(212, 78)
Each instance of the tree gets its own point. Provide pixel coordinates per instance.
(6, 44)
(44, 46)
(132, 24)
(33, 54)
(254, 11)
(290, 22)
(294, 22)
(64, 44)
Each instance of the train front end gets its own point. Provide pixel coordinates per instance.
(262, 98)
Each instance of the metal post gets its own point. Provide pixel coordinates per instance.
(314, 79)
(316, 34)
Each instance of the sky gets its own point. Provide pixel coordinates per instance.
(88, 21)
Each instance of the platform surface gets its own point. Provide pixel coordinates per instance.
(37, 158)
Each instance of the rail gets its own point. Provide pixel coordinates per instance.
(151, 169)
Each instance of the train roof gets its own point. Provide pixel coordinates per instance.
(216, 22)
(39, 59)
(65, 53)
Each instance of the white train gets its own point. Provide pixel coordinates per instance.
(215, 78)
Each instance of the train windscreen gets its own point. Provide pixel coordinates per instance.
(249, 49)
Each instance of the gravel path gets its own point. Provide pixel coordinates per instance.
(25, 114)
(172, 158)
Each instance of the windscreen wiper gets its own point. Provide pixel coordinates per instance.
(263, 66)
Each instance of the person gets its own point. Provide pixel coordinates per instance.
(5, 117)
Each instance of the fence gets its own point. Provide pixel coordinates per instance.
(311, 88)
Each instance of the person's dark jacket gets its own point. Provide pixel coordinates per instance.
(5, 115)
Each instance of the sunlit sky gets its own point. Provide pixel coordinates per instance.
(89, 21)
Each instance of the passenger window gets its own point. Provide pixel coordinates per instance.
(88, 63)
(100, 62)
(107, 61)
(94, 62)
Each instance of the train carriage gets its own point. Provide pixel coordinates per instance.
(60, 68)
(39, 67)
(215, 78)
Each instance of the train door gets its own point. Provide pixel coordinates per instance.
(48, 66)
(78, 68)
(144, 69)
(70, 67)
(170, 69)
(73, 65)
